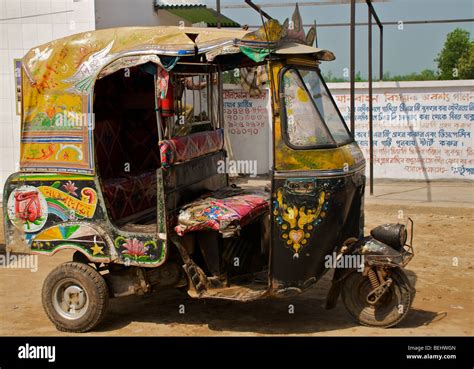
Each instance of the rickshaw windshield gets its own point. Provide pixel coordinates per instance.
(311, 116)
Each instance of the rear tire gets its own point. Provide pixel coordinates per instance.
(75, 297)
(390, 310)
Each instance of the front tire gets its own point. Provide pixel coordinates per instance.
(75, 297)
(390, 310)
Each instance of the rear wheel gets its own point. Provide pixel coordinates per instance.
(390, 310)
(75, 297)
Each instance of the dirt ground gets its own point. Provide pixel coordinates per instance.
(442, 271)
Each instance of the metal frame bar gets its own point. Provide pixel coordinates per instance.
(220, 92)
(371, 127)
(281, 4)
(211, 101)
(218, 10)
(381, 54)
(194, 100)
(258, 8)
(372, 13)
(208, 92)
(200, 97)
(159, 122)
(352, 66)
(183, 106)
(315, 33)
(392, 23)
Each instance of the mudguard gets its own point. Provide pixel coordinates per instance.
(375, 253)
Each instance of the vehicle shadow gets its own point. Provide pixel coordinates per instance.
(418, 317)
(303, 314)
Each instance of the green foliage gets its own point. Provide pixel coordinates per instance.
(455, 61)
(329, 77)
(456, 48)
(466, 64)
(230, 77)
(424, 75)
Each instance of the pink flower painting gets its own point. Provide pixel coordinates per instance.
(134, 248)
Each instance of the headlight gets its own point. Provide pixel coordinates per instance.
(394, 235)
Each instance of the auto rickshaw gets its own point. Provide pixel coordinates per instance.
(122, 136)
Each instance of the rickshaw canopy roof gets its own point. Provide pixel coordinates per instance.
(57, 93)
(93, 50)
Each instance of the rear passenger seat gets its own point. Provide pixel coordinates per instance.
(125, 193)
(133, 194)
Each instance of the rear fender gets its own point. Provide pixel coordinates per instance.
(89, 239)
(377, 253)
(374, 253)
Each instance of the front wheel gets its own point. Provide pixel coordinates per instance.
(75, 297)
(390, 310)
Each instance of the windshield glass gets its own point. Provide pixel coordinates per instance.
(312, 118)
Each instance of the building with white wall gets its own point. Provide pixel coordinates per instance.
(23, 25)
(120, 13)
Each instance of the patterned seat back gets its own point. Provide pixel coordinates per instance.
(108, 148)
(186, 148)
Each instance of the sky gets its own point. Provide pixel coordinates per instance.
(411, 49)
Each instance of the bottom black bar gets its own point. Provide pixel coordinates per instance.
(232, 352)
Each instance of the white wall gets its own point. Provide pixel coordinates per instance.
(248, 127)
(23, 25)
(119, 13)
(422, 130)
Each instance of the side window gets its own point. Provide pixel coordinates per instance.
(326, 107)
(304, 125)
(188, 103)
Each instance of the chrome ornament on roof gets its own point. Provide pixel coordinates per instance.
(83, 79)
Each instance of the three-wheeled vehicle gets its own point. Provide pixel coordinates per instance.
(122, 145)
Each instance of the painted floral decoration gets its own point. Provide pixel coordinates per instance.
(134, 248)
(71, 188)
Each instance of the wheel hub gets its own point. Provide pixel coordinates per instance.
(74, 297)
(70, 300)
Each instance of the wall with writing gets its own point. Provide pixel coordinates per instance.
(247, 120)
(422, 130)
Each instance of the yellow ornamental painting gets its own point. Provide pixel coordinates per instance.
(297, 223)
